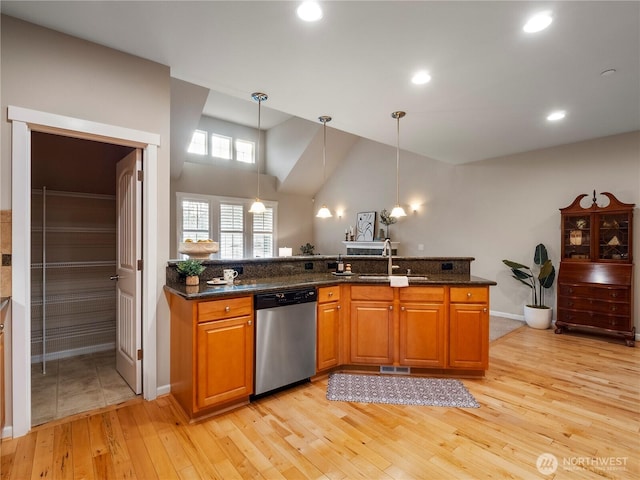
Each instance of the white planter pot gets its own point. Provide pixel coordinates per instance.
(539, 318)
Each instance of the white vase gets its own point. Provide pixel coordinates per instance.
(539, 318)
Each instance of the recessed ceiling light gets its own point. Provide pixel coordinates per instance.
(421, 77)
(309, 11)
(538, 22)
(555, 116)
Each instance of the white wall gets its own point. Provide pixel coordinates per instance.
(51, 72)
(490, 210)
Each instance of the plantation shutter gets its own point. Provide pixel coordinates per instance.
(263, 234)
(195, 220)
(231, 230)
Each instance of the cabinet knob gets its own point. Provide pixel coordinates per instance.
(614, 294)
(402, 308)
(390, 307)
(249, 323)
(484, 310)
(614, 308)
(227, 308)
(468, 294)
(338, 307)
(331, 294)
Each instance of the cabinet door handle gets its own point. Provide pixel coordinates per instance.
(614, 295)
(227, 308)
(614, 308)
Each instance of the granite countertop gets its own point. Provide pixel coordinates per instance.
(263, 285)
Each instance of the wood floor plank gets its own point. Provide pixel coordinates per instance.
(62, 452)
(81, 450)
(575, 397)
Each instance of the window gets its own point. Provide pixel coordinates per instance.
(263, 234)
(231, 230)
(220, 146)
(244, 151)
(195, 220)
(225, 220)
(198, 143)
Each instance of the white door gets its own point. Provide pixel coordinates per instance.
(128, 252)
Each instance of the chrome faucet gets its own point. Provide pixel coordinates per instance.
(386, 251)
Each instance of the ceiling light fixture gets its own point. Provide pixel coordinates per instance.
(555, 116)
(324, 212)
(421, 77)
(538, 22)
(398, 211)
(309, 11)
(258, 206)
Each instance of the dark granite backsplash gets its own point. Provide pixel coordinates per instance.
(290, 266)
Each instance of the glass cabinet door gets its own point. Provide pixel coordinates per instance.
(613, 236)
(576, 234)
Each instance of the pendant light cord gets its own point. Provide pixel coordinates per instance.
(398, 162)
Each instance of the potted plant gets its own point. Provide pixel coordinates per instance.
(387, 220)
(536, 314)
(307, 249)
(191, 269)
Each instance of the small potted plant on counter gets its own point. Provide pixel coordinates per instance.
(536, 314)
(387, 220)
(191, 269)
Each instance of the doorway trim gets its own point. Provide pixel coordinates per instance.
(24, 121)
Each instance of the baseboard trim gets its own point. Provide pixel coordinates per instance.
(163, 390)
(512, 316)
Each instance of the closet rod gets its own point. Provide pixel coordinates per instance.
(44, 280)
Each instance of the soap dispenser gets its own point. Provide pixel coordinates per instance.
(340, 265)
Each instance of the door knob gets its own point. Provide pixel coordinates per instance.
(114, 277)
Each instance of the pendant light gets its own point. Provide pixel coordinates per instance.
(324, 212)
(258, 206)
(398, 211)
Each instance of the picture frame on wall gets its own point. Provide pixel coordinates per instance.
(365, 226)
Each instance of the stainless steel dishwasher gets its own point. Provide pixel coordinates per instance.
(285, 338)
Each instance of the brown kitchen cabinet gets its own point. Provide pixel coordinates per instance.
(595, 281)
(371, 325)
(328, 328)
(422, 327)
(212, 345)
(469, 327)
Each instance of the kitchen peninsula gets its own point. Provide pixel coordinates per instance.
(438, 324)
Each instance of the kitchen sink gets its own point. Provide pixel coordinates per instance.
(366, 276)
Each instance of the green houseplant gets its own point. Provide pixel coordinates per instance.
(191, 269)
(537, 314)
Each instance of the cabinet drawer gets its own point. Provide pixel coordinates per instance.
(422, 294)
(612, 322)
(594, 305)
(371, 292)
(227, 308)
(620, 294)
(329, 294)
(469, 294)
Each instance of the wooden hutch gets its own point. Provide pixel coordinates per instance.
(595, 282)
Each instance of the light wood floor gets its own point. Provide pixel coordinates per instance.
(575, 397)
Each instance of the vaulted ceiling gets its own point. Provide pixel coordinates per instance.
(492, 84)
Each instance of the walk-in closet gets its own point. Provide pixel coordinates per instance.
(73, 289)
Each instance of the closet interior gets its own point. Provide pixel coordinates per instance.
(73, 257)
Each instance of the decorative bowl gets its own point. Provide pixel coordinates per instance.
(198, 250)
